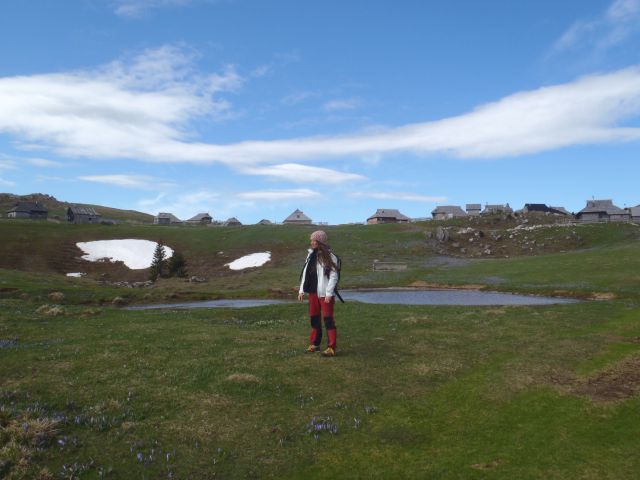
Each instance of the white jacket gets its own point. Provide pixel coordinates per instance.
(326, 286)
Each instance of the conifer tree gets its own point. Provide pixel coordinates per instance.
(158, 262)
(177, 265)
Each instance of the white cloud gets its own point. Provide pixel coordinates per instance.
(143, 110)
(298, 97)
(341, 104)
(43, 162)
(7, 164)
(400, 196)
(184, 205)
(613, 27)
(279, 195)
(297, 173)
(137, 8)
(142, 182)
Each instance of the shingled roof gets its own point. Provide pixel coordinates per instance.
(453, 210)
(82, 210)
(595, 206)
(389, 213)
(28, 207)
(297, 217)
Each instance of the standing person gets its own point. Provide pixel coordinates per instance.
(319, 279)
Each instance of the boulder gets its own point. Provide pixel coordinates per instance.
(119, 301)
(442, 235)
(56, 296)
(51, 310)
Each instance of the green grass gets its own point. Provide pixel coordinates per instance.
(449, 392)
(415, 392)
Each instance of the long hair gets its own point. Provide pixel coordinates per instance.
(324, 256)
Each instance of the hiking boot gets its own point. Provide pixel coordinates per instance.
(329, 352)
(312, 349)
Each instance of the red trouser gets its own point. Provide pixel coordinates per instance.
(318, 308)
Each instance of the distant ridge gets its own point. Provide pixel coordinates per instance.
(58, 208)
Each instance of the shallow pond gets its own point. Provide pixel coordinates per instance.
(448, 297)
(389, 296)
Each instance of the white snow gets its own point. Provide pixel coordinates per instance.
(248, 261)
(75, 274)
(136, 254)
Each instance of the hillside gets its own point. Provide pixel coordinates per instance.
(504, 254)
(57, 208)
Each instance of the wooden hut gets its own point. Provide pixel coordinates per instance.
(32, 210)
(82, 214)
(387, 215)
(297, 218)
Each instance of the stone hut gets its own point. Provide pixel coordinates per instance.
(82, 214)
(264, 221)
(634, 213)
(497, 209)
(446, 212)
(165, 218)
(32, 210)
(602, 211)
(297, 218)
(387, 215)
(232, 222)
(200, 219)
(473, 209)
(543, 208)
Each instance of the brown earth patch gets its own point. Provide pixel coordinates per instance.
(618, 382)
(243, 378)
(602, 296)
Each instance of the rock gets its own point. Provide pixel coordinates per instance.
(442, 235)
(24, 296)
(119, 301)
(51, 310)
(466, 231)
(487, 251)
(195, 279)
(56, 296)
(455, 245)
(429, 234)
(463, 250)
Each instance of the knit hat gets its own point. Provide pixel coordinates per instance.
(319, 236)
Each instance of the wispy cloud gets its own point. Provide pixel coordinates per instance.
(297, 97)
(399, 196)
(141, 182)
(43, 162)
(616, 25)
(341, 104)
(183, 205)
(137, 8)
(6, 183)
(297, 173)
(144, 110)
(278, 195)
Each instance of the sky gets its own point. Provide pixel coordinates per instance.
(252, 109)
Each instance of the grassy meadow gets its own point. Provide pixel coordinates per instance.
(90, 390)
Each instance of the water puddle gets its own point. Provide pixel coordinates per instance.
(448, 297)
(387, 296)
(229, 303)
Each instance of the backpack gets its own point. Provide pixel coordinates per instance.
(338, 269)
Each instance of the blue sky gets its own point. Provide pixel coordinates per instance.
(252, 108)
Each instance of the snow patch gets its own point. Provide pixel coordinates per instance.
(76, 274)
(136, 254)
(248, 261)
